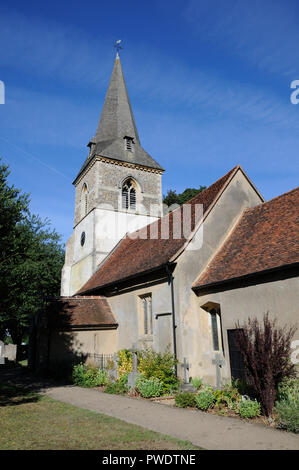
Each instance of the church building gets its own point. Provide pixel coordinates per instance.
(137, 276)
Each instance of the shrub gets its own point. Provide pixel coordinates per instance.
(204, 400)
(287, 405)
(85, 376)
(288, 412)
(119, 387)
(125, 362)
(159, 366)
(228, 396)
(148, 388)
(116, 388)
(242, 386)
(249, 408)
(197, 382)
(185, 399)
(288, 389)
(266, 351)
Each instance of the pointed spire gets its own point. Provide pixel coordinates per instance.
(116, 135)
(117, 120)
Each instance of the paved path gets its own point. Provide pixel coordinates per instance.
(202, 429)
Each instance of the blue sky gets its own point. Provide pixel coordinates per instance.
(209, 82)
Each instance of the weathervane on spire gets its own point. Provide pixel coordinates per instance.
(117, 47)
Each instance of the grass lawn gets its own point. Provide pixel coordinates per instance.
(30, 421)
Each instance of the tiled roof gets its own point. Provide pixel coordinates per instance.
(70, 312)
(138, 253)
(266, 237)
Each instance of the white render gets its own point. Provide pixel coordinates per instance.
(103, 230)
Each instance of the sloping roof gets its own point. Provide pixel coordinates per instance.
(116, 122)
(74, 312)
(265, 238)
(138, 253)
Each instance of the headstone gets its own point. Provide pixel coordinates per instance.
(114, 372)
(10, 352)
(219, 362)
(186, 371)
(133, 376)
(186, 386)
(2, 359)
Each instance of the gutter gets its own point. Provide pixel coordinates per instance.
(118, 283)
(170, 281)
(256, 274)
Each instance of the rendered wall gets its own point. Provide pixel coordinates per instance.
(279, 298)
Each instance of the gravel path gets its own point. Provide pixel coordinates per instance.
(202, 429)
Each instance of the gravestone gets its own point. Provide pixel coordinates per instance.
(2, 358)
(10, 352)
(113, 373)
(219, 362)
(186, 386)
(134, 375)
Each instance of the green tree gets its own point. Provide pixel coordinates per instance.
(31, 267)
(13, 205)
(173, 198)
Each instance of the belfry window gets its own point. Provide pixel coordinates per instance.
(129, 141)
(128, 195)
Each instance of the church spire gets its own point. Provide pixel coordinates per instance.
(116, 136)
(117, 120)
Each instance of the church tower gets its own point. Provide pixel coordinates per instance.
(118, 188)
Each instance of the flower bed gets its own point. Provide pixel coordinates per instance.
(158, 383)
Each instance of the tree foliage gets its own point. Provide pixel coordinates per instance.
(30, 262)
(266, 351)
(173, 198)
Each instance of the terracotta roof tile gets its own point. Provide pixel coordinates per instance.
(138, 252)
(70, 312)
(266, 237)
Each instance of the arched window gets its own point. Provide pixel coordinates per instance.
(84, 200)
(128, 193)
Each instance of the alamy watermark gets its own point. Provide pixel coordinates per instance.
(294, 98)
(295, 353)
(2, 92)
(177, 223)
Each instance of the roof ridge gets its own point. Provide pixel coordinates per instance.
(171, 247)
(249, 209)
(187, 202)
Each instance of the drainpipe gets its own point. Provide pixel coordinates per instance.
(170, 280)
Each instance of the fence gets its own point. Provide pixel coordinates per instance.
(103, 361)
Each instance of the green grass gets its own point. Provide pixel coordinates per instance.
(30, 421)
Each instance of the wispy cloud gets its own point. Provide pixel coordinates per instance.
(58, 51)
(261, 32)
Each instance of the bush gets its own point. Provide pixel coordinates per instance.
(228, 396)
(249, 408)
(148, 388)
(204, 399)
(119, 387)
(266, 351)
(287, 405)
(197, 382)
(185, 399)
(85, 376)
(159, 366)
(288, 389)
(288, 412)
(125, 362)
